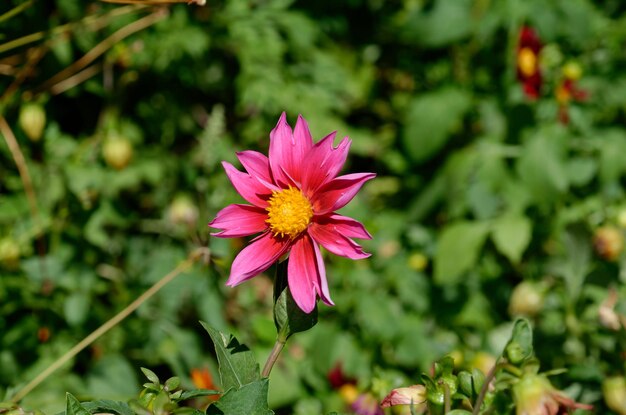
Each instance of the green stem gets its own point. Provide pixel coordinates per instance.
(483, 390)
(447, 404)
(271, 359)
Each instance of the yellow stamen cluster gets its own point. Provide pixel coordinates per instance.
(527, 62)
(289, 212)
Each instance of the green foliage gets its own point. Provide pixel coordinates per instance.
(479, 189)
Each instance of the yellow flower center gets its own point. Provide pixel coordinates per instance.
(289, 212)
(527, 62)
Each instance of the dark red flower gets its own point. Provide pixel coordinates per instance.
(527, 65)
(337, 377)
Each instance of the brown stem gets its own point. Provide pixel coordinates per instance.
(483, 390)
(75, 80)
(96, 22)
(103, 46)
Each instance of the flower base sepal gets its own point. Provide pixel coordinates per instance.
(288, 317)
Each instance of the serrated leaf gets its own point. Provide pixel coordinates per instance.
(457, 250)
(430, 120)
(237, 365)
(73, 406)
(511, 235)
(250, 399)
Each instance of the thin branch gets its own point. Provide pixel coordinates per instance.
(16, 10)
(105, 45)
(96, 21)
(34, 57)
(483, 390)
(74, 80)
(22, 168)
(182, 267)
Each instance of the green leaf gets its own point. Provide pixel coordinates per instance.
(73, 406)
(108, 406)
(511, 235)
(520, 346)
(542, 167)
(195, 393)
(76, 308)
(250, 399)
(430, 120)
(152, 377)
(457, 250)
(288, 317)
(426, 28)
(237, 365)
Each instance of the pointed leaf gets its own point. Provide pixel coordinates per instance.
(237, 365)
(73, 406)
(250, 399)
(511, 235)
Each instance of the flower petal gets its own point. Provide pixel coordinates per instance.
(256, 164)
(239, 220)
(256, 258)
(248, 187)
(346, 226)
(288, 150)
(306, 274)
(338, 192)
(330, 238)
(324, 162)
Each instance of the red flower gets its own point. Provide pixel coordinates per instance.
(528, 73)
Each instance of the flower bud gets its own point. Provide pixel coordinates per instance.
(117, 152)
(572, 70)
(183, 211)
(534, 394)
(526, 299)
(614, 391)
(418, 261)
(608, 242)
(9, 252)
(32, 120)
(412, 395)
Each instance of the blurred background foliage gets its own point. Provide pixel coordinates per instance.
(489, 202)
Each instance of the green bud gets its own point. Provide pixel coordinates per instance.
(117, 152)
(32, 120)
(614, 392)
(466, 383)
(514, 352)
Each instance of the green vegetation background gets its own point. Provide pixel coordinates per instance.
(479, 188)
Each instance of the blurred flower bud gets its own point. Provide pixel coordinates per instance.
(608, 242)
(413, 395)
(621, 218)
(349, 393)
(9, 252)
(614, 391)
(533, 394)
(183, 211)
(418, 261)
(366, 404)
(606, 313)
(526, 299)
(32, 120)
(117, 151)
(572, 70)
(483, 361)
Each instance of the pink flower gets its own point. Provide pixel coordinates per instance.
(294, 195)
